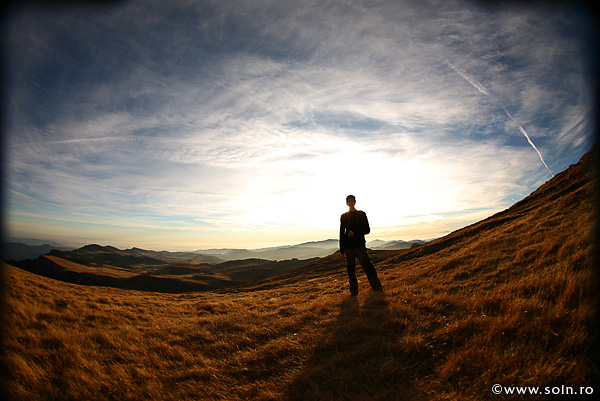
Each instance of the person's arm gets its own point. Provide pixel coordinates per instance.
(342, 236)
(365, 226)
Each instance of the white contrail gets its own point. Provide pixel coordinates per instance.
(528, 139)
(472, 81)
(536, 149)
(483, 90)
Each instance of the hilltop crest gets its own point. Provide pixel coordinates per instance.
(98, 248)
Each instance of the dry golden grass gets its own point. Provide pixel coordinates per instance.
(107, 270)
(510, 300)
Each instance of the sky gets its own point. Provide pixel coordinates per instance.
(185, 125)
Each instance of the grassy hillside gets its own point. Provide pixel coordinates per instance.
(509, 300)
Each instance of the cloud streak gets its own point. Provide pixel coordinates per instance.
(522, 130)
(470, 80)
(484, 91)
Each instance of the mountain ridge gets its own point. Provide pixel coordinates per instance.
(95, 265)
(16, 251)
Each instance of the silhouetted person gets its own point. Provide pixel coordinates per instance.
(353, 228)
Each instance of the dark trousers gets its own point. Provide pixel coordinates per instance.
(365, 263)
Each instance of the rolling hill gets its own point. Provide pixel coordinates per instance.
(508, 305)
(138, 269)
(176, 272)
(17, 251)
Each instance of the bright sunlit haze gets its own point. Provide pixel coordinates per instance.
(199, 124)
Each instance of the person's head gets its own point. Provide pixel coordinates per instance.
(350, 199)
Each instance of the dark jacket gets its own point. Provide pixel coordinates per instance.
(357, 222)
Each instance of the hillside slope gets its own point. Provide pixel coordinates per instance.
(510, 300)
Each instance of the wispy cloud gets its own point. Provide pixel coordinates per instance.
(484, 91)
(263, 115)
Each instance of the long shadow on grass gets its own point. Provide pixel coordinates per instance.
(363, 357)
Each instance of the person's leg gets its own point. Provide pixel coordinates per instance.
(351, 269)
(369, 268)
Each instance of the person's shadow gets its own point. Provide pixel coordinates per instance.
(359, 360)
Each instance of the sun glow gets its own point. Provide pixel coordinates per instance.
(389, 189)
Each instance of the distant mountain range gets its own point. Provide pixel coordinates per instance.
(31, 249)
(22, 251)
(164, 271)
(138, 269)
(302, 251)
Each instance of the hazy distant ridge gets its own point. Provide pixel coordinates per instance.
(21, 251)
(164, 271)
(304, 250)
